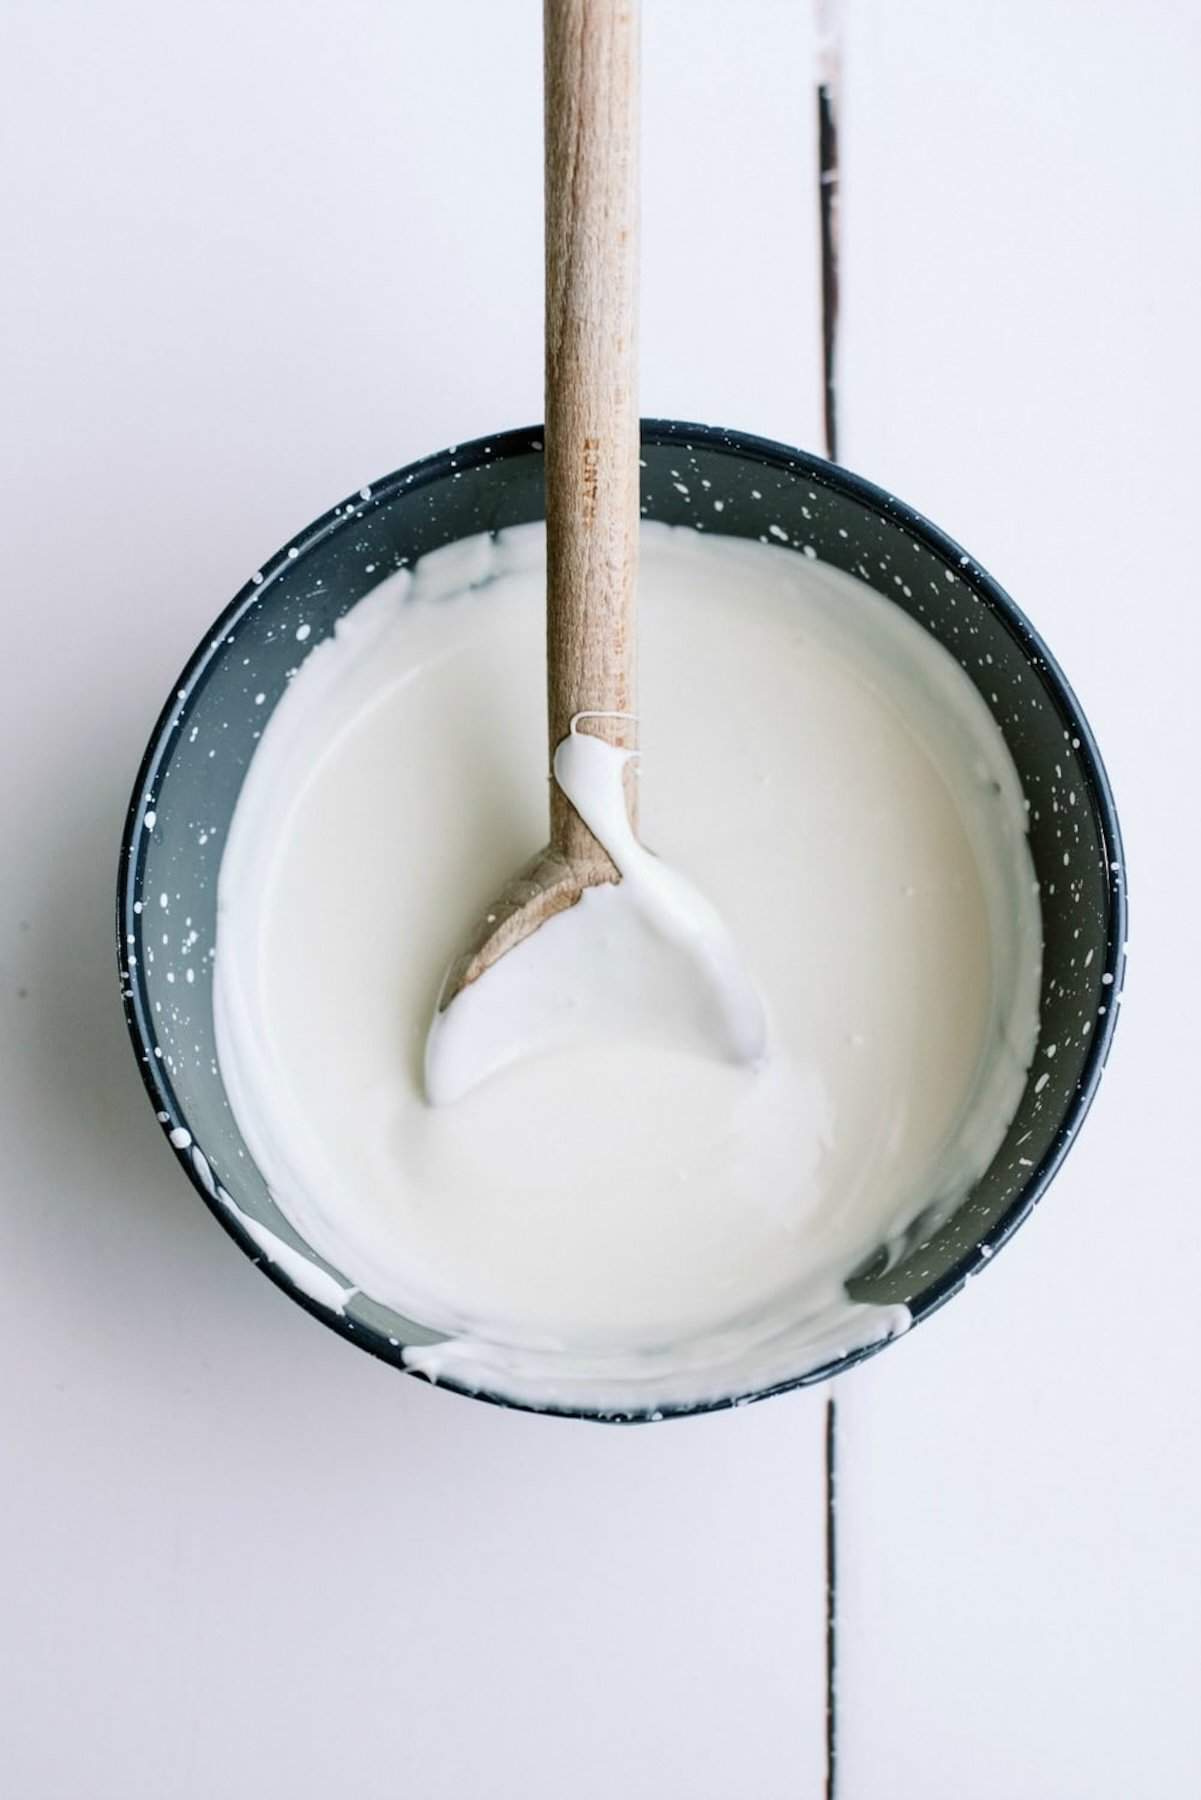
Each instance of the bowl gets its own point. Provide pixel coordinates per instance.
(201, 747)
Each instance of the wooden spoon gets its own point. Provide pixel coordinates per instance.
(591, 445)
(592, 519)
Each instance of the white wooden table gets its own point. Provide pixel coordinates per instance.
(258, 253)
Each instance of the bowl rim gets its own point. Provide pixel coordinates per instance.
(496, 449)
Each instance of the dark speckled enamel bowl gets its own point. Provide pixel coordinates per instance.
(199, 751)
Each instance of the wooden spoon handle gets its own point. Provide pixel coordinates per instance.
(592, 438)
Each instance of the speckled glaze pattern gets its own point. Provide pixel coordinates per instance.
(712, 480)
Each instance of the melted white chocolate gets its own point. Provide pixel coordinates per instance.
(621, 1219)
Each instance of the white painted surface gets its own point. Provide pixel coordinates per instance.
(1021, 1556)
(258, 255)
(240, 281)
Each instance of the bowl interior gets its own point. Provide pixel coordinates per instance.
(715, 481)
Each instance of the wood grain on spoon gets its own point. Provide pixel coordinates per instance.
(591, 442)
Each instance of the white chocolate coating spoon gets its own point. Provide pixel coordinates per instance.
(496, 1005)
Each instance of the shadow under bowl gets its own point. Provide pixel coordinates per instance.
(201, 747)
